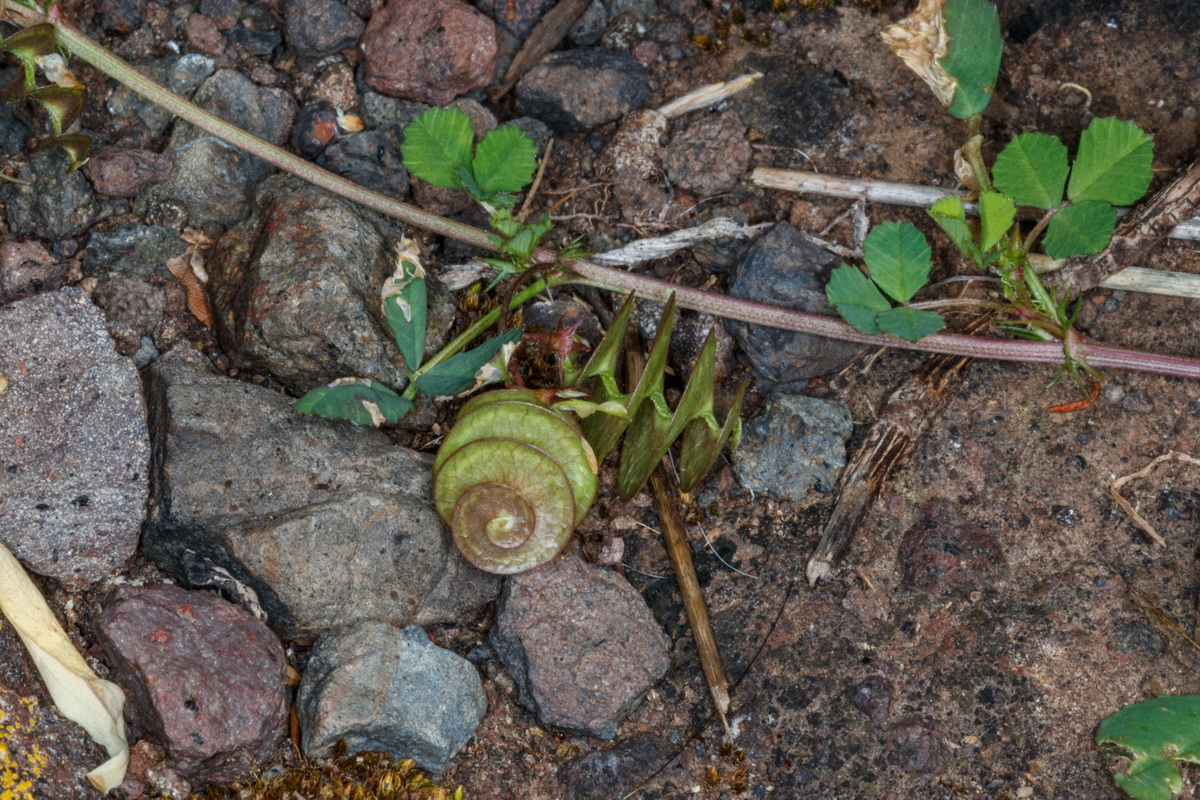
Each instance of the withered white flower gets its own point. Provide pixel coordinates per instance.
(921, 42)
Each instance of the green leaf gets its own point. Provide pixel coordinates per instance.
(76, 145)
(361, 401)
(405, 306)
(855, 298)
(996, 215)
(27, 44)
(1032, 170)
(505, 160)
(62, 104)
(437, 144)
(457, 373)
(898, 257)
(1113, 163)
(910, 323)
(1080, 229)
(1154, 736)
(973, 53)
(951, 217)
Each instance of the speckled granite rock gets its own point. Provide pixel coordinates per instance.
(74, 447)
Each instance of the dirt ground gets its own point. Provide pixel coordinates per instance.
(997, 604)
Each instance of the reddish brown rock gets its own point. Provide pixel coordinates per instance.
(709, 155)
(203, 678)
(943, 551)
(120, 172)
(27, 268)
(203, 35)
(580, 643)
(430, 51)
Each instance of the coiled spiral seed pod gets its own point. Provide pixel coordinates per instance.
(512, 480)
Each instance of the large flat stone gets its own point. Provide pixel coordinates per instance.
(73, 440)
(328, 522)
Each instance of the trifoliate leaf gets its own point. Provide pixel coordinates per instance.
(973, 53)
(437, 144)
(855, 298)
(909, 323)
(505, 160)
(996, 214)
(951, 217)
(361, 401)
(1113, 163)
(1032, 170)
(1080, 229)
(1151, 739)
(898, 257)
(457, 373)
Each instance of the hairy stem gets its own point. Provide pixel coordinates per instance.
(588, 273)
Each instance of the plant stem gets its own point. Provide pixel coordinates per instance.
(477, 327)
(589, 273)
(973, 152)
(1039, 227)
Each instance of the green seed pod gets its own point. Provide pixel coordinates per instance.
(512, 480)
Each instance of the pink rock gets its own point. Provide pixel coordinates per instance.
(430, 51)
(203, 678)
(121, 172)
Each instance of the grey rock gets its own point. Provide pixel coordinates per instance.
(383, 112)
(371, 159)
(212, 179)
(16, 124)
(203, 678)
(130, 111)
(518, 18)
(189, 72)
(792, 445)
(379, 687)
(133, 309)
(73, 441)
(320, 27)
(580, 644)
(619, 770)
(783, 269)
(536, 130)
(54, 204)
(263, 111)
(795, 104)
(721, 255)
(296, 289)
(131, 248)
(327, 522)
(590, 26)
(580, 89)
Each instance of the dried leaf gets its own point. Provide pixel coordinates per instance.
(920, 41)
(188, 269)
(80, 696)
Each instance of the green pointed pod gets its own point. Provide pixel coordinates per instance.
(512, 480)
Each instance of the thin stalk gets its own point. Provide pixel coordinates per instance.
(589, 273)
(477, 328)
(1039, 227)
